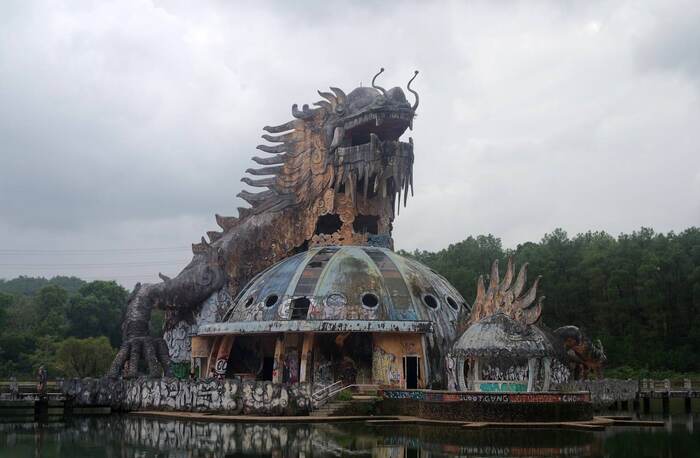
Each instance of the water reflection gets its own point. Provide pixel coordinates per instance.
(131, 436)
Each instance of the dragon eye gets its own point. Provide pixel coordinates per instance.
(340, 109)
(380, 100)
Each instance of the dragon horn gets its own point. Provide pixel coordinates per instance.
(383, 91)
(415, 105)
(328, 96)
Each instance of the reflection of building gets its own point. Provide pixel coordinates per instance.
(358, 314)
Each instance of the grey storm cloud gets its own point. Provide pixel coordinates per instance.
(124, 126)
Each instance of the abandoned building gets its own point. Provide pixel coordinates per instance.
(360, 314)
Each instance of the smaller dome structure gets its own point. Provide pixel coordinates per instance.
(499, 336)
(502, 347)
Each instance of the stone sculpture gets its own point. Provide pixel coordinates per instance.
(333, 175)
(584, 355)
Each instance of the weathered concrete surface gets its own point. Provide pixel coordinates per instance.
(605, 391)
(168, 394)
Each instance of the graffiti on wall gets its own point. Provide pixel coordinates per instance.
(226, 396)
(442, 396)
(383, 372)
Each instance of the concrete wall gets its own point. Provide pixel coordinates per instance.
(229, 396)
(496, 407)
(387, 358)
(606, 391)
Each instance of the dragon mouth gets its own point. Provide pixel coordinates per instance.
(373, 132)
(369, 155)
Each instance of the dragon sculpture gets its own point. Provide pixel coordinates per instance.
(334, 175)
(508, 296)
(584, 355)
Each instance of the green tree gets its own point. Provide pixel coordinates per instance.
(89, 357)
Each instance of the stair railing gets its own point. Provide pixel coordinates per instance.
(322, 396)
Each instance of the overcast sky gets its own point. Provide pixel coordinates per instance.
(124, 126)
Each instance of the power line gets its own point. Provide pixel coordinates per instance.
(110, 264)
(18, 251)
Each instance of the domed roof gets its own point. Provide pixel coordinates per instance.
(345, 288)
(498, 335)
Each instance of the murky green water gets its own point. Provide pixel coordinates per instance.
(130, 436)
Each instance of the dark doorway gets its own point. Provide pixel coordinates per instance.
(300, 308)
(268, 366)
(411, 372)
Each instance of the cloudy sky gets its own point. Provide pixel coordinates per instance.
(124, 126)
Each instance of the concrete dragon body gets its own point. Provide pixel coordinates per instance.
(333, 175)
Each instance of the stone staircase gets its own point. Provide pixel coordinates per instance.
(359, 405)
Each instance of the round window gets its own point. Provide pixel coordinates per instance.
(452, 303)
(249, 302)
(271, 300)
(336, 300)
(370, 300)
(430, 301)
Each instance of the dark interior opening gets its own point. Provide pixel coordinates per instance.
(389, 129)
(370, 184)
(268, 366)
(452, 303)
(430, 301)
(301, 248)
(411, 368)
(300, 308)
(271, 300)
(366, 224)
(328, 224)
(370, 300)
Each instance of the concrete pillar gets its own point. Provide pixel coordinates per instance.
(278, 368)
(305, 368)
(531, 374)
(547, 373)
(221, 362)
(476, 374)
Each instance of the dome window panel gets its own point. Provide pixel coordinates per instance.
(370, 300)
(431, 301)
(271, 300)
(452, 303)
(336, 300)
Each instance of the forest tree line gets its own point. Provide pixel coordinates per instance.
(639, 293)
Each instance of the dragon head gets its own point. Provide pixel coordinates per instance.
(342, 158)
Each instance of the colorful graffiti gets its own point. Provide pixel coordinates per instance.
(445, 396)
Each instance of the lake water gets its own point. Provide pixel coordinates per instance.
(122, 436)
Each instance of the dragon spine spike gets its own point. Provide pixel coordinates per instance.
(529, 297)
(508, 278)
(226, 222)
(276, 149)
(339, 94)
(493, 280)
(163, 277)
(279, 138)
(261, 183)
(214, 236)
(253, 198)
(279, 159)
(325, 105)
(328, 96)
(291, 125)
(243, 212)
(520, 281)
(275, 170)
